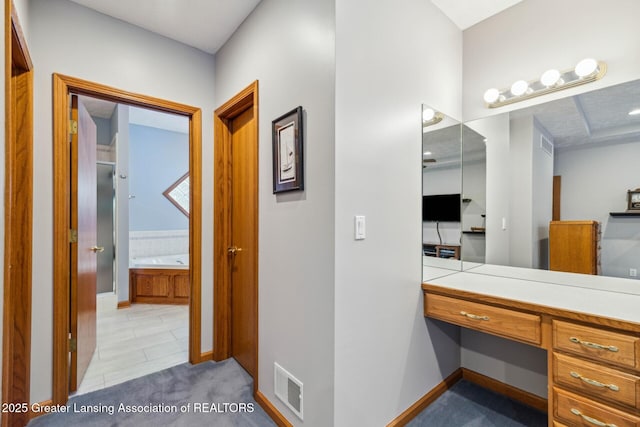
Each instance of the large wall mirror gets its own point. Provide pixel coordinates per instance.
(441, 192)
(556, 181)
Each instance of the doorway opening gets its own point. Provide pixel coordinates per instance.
(68, 240)
(142, 235)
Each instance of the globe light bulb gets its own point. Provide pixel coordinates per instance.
(491, 95)
(586, 67)
(550, 78)
(428, 114)
(519, 88)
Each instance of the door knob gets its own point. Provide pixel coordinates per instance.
(96, 249)
(234, 250)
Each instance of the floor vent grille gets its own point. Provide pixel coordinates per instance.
(288, 389)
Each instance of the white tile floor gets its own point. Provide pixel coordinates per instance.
(136, 341)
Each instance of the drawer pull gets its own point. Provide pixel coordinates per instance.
(612, 348)
(474, 316)
(594, 383)
(591, 420)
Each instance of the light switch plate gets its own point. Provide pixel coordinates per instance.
(359, 226)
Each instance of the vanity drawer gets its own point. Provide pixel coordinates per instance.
(595, 380)
(612, 347)
(483, 317)
(576, 410)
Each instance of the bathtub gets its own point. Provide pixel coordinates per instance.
(180, 261)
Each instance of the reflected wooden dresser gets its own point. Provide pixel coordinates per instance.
(574, 246)
(593, 359)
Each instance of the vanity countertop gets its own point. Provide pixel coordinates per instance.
(615, 284)
(597, 299)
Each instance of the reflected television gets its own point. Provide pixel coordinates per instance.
(441, 208)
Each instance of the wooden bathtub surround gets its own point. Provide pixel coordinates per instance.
(593, 359)
(159, 285)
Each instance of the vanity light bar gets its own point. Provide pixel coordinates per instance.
(586, 71)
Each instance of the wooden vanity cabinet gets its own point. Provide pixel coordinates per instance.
(594, 363)
(595, 376)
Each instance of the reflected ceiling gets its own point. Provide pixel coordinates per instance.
(592, 117)
(444, 146)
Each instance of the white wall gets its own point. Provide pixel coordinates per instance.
(391, 56)
(120, 123)
(520, 197)
(535, 35)
(508, 47)
(474, 185)
(289, 46)
(496, 130)
(508, 361)
(22, 9)
(541, 197)
(69, 39)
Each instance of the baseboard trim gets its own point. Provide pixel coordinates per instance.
(271, 410)
(207, 355)
(426, 400)
(35, 414)
(124, 304)
(522, 396)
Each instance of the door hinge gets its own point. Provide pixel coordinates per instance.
(73, 236)
(73, 127)
(73, 345)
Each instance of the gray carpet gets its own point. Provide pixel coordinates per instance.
(468, 405)
(208, 394)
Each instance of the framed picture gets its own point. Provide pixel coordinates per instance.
(178, 194)
(287, 152)
(633, 197)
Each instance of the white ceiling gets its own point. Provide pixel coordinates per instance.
(208, 24)
(466, 13)
(204, 24)
(138, 116)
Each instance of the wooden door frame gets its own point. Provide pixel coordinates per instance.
(62, 87)
(222, 180)
(555, 208)
(223, 116)
(18, 223)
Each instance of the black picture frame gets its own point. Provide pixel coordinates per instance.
(633, 200)
(288, 164)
